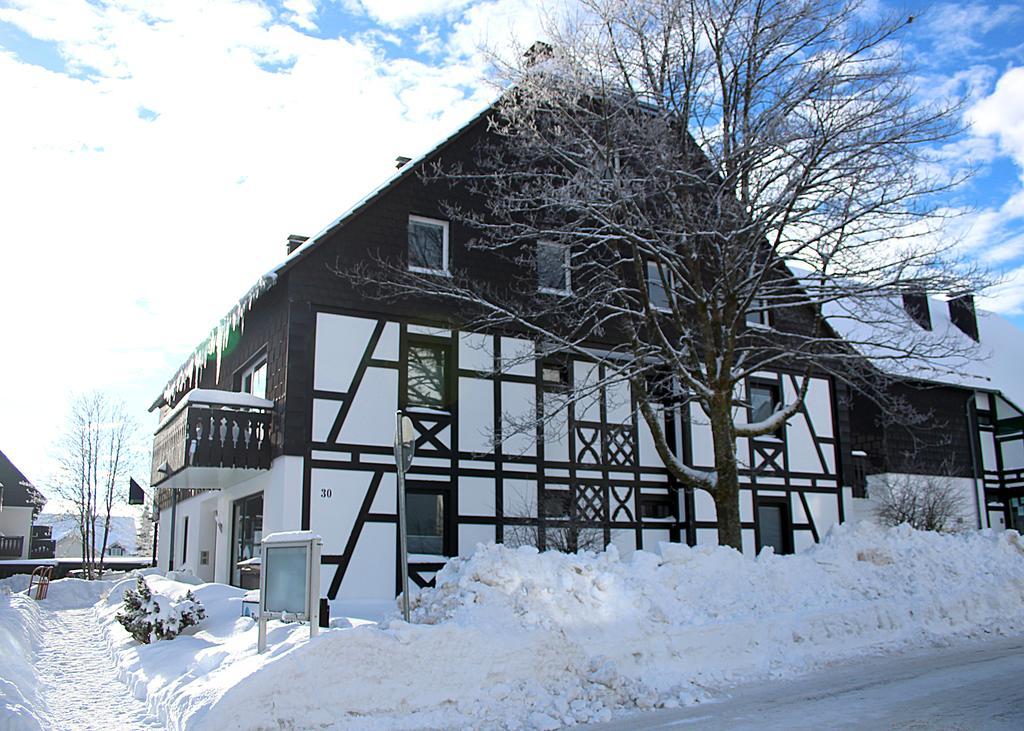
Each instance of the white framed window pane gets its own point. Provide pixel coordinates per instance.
(426, 375)
(758, 313)
(424, 523)
(656, 289)
(762, 402)
(427, 244)
(258, 381)
(552, 266)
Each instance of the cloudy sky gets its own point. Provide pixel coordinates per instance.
(155, 154)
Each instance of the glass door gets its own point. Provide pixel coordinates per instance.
(247, 527)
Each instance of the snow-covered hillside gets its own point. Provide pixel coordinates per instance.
(515, 639)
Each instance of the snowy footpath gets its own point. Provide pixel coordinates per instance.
(78, 683)
(65, 675)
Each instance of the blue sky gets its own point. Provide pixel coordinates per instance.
(157, 153)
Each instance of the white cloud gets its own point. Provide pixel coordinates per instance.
(125, 238)
(302, 13)
(401, 13)
(957, 27)
(1001, 114)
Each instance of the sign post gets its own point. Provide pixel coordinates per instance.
(405, 448)
(289, 581)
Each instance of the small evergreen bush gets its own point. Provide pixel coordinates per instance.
(148, 618)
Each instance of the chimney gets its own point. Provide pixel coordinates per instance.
(961, 313)
(401, 161)
(295, 241)
(915, 302)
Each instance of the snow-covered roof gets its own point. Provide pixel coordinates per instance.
(217, 339)
(992, 364)
(122, 528)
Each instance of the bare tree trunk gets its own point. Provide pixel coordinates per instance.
(727, 485)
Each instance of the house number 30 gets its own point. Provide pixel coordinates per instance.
(325, 492)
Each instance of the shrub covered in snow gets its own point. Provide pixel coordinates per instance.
(148, 618)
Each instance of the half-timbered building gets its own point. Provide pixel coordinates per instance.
(284, 419)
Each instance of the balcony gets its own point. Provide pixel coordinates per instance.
(11, 546)
(42, 548)
(212, 440)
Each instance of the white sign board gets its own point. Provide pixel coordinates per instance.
(289, 581)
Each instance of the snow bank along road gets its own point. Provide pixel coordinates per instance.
(978, 685)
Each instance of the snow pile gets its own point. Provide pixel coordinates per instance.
(515, 639)
(180, 679)
(20, 701)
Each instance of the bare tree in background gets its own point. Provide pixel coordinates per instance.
(924, 502)
(731, 185)
(94, 457)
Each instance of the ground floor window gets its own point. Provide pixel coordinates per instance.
(424, 522)
(774, 526)
(247, 527)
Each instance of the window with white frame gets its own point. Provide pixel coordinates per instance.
(428, 245)
(254, 379)
(757, 315)
(656, 291)
(764, 401)
(553, 274)
(426, 375)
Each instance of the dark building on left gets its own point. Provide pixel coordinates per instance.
(20, 503)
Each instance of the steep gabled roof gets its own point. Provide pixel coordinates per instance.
(996, 362)
(17, 490)
(215, 342)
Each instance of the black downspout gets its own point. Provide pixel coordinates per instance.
(972, 437)
(174, 511)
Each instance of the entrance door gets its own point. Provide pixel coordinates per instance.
(774, 526)
(247, 534)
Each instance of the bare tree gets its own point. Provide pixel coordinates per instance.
(722, 187)
(923, 501)
(94, 459)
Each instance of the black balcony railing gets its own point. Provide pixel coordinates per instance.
(11, 546)
(211, 435)
(42, 548)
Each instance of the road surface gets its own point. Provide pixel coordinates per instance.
(979, 685)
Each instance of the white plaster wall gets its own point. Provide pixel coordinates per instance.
(340, 343)
(17, 521)
(371, 420)
(476, 415)
(476, 352)
(518, 401)
(371, 573)
(335, 499)
(476, 497)
(470, 536)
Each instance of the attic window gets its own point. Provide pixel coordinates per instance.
(254, 379)
(656, 291)
(428, 245)
(553, 275)
(758, 315)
